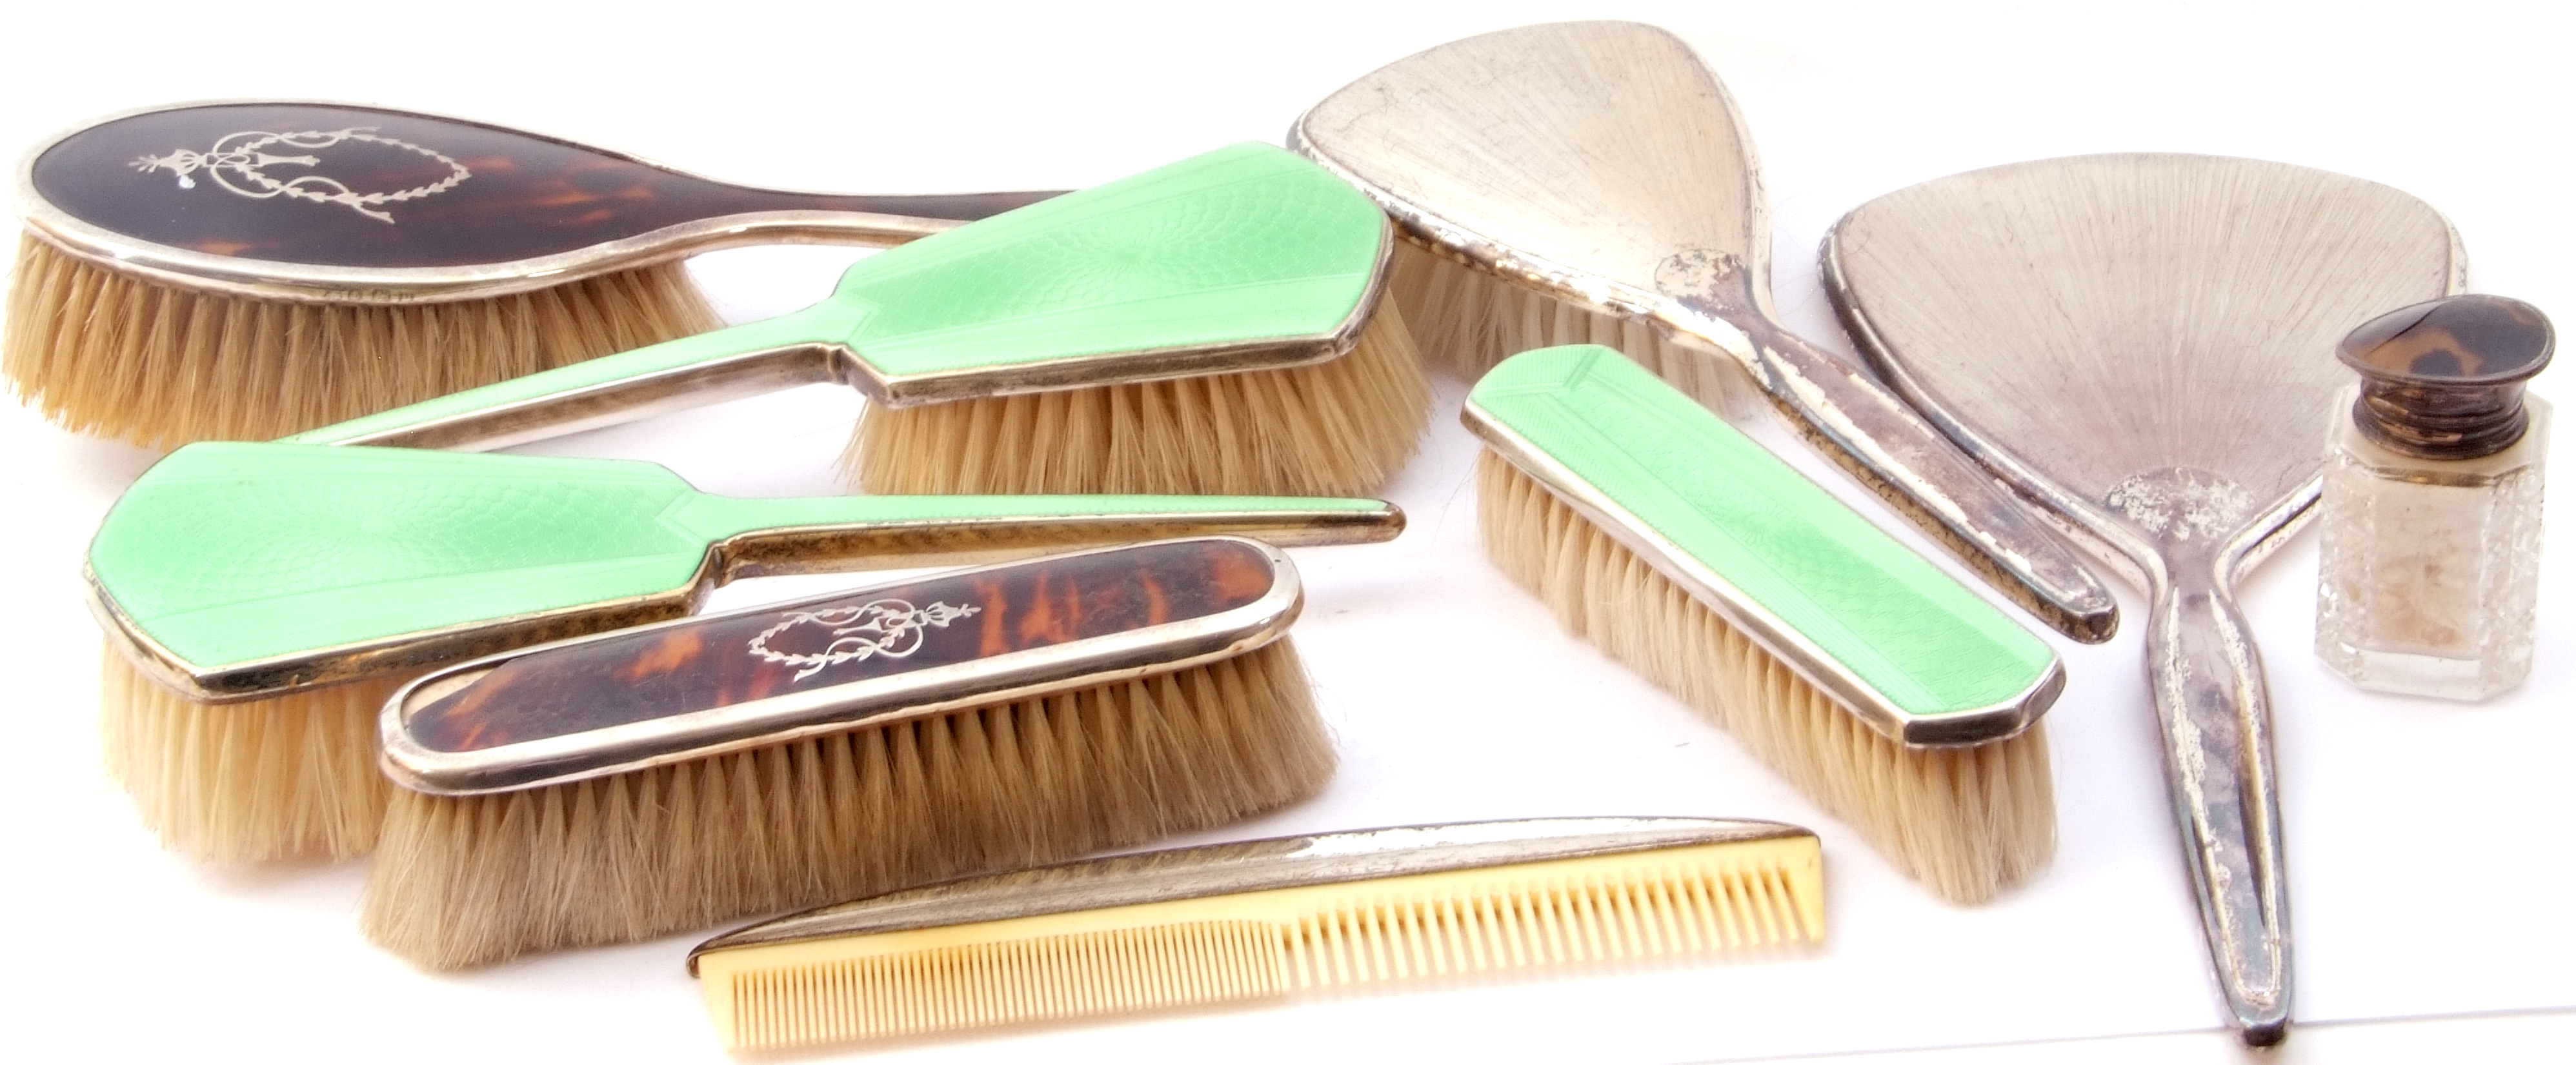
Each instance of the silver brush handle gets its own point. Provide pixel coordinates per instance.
(2208, 684)
(1875, 435)
(693, 371)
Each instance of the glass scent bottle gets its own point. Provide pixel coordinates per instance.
(2431, 559)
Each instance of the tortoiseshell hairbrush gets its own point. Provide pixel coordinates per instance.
(630, 784)
(247, 269)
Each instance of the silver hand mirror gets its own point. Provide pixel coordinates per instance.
(2146, 343)
(1602, 164)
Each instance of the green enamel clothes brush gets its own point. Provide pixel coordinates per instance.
(246, 269)
(630, 784)
(262, 600)
(1894, 696)
(1212, 326)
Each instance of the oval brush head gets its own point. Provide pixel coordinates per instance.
(1214, 325)
(244, 270)
(631, 784)
(262, 600)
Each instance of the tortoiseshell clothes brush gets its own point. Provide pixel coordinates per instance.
(246, 269)
(1892, 695)
(1263, 919)
(1211, 326)
(629, 784)
(261, 601)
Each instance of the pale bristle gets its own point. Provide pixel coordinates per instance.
(116, 355)
(1466, 320)
(462, 881)
(1965, 820)
(270, 779)
(1697, 901)
(1335, 428)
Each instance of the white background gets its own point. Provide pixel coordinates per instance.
(2429, 844)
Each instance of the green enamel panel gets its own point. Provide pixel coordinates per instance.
(822, 323)
(1890, 617)
(227, 553)
(1241, 244)
(1245, 244)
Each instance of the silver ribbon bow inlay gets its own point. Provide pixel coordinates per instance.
(892, 628)
(236, 161)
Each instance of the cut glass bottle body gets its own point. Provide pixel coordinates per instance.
(2430, 568)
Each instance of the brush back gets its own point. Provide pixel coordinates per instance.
(1587, 157)
(1858, 615)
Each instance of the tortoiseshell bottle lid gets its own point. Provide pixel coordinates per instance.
(2443, 379)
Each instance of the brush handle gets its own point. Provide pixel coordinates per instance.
(730, 363)
(835, 534)
(1870, 432)
(374, 205)
(2207, 678)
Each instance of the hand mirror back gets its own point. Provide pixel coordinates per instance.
(2146, 344)
(2175, 315)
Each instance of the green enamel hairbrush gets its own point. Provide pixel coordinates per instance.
(1210, 326)
(264, 599)
(1890, 692)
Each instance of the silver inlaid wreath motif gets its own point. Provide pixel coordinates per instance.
(889, 627)
(236, 162)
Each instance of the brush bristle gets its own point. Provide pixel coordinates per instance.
(1335, 428)
(1466, 321)
(1263, 944)
(115, 355)
(1965, 820)
(265, 780)
(463, 881)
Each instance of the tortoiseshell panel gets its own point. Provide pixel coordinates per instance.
(327, 185)
(736, 658)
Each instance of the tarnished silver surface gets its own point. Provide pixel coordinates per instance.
(1601, 163)
(768, 552)
(2146, 343)
(1773, 633)
(879, 700)
(308, 283)
(1251, 865)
